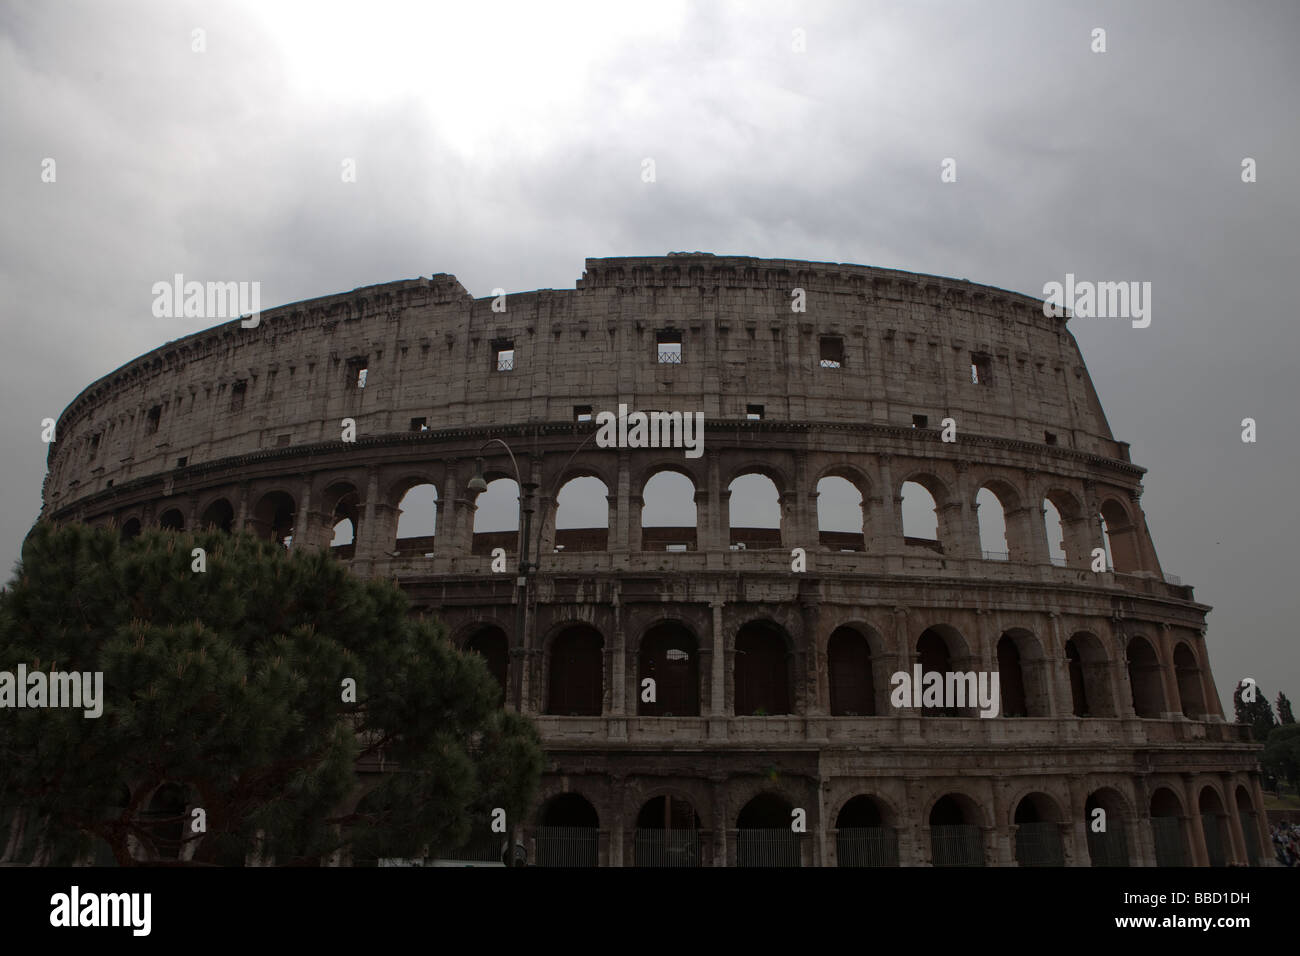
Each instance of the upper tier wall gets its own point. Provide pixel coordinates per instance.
(429, 349)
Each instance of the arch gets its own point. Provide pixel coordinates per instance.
(1120, 536)
(577, 672)
(1214, 825)
(763, 833)
(762, 670)
(955, 837)
(920, 513)
(172, 520)
(1167, 829)
(1054, 528)
(841, 524)
(568, 832)
(417, 521)
(941, 649)
(863, 836)
(1107, 832)
(582, 515)
(219, 515)
(667, 833)
(754, 511)
(1089, 667)
(1191, 695)
(1249, 820)
(342, 502)
(130, 529)
(496, 516)
(669, 519)
(1023, 675)
(1037, 820)
(490, 643)
(273, 517)
(849, 669)
(991, 515)
(1145, 678)
(669, 655)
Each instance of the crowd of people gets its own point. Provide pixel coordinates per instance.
(1286, 843)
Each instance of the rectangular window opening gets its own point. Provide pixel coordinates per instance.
(920, 421)
(151, 423)
(582, 413)
(668, 343)
(754, 413)
(182, 462)
(503, 356)
(237, 392)
(419, 425)
(358, 371)
(981, 368)
(281, 441)
(832, 351)
(1049, 438)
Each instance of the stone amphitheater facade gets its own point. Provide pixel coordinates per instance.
(774, 702)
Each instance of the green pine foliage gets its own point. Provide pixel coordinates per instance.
(225, 688)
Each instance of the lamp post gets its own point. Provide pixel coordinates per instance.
(478, 485)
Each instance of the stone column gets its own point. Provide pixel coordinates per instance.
(1074, 832)
(959, 521)
(886, 513)
(1168, 676)
(718, 713)
(1235, 832)
(624, 515)
(448, 515)
(1192, 820)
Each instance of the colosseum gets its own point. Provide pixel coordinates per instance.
(712, 688)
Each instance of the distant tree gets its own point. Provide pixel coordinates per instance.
(1284, 715)
(223, 690)
(1257, 713)
(1281, 756)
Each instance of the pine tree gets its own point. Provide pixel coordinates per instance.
(223, 690)
(1284, 715)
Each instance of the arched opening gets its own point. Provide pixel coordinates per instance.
(1214, 824)
(754, 512)
(848, 661)
(993, 526)
(762, 671)
(1167, 829)
(1249, 824)
(840, 522)
(955, 838)
(1107, 829)
(1038, 832)
(491, 644)
(1020, 658)
(218, 516)
(667, 833)
(417, 522)
(1010, 679)
(1191, 697)
(1055, 533)
(273, 518)
(171, 520)
(582, 515)
(920, 517)
(937, 651)
(131, 529)
(668, 515)
(862, 837)
(569, 832)
(345, 518)
(670, 658)
(1120, 537)
(1089, 668)
(496, 517)
(577, 672)
(763, 833)
(1145, 679)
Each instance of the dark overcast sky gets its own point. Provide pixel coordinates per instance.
(503, 144)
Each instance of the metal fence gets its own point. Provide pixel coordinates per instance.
(568, 846)
(670, 357)
(767, 848)
(957, 845)
(667, 847)
(1109, 848)
(1171, 848)
(867, 846)
(1039, 844)
(1211, 826)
